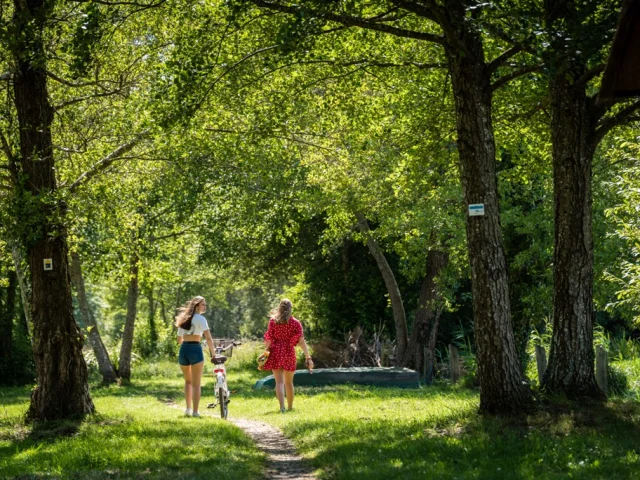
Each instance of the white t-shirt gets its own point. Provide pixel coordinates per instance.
(198, 326)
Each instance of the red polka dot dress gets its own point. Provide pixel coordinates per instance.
(284, 338)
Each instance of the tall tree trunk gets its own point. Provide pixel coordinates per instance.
(62, 389)
(425, 326)
(501, 385)
(163, 312)
(104, 362)
(7, 315)
(153, 332)
(399, 316)
(571, 358)
(124, 366)
(24, 289)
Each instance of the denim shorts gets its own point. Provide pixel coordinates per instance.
(190, 353)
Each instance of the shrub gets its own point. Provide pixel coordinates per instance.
(618, 381)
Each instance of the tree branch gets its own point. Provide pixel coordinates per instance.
(363, 62)
(500, 60)
(502, 81)
(172, 235)
(69, 83)
(493, 29)
(73, 101)
(368, 23)
(620, 118)
(292, 137)
(69, 150)
(228, 70)
(6, 148)
(418, 9)
(133, 4)
(103, 164)
(590, 75)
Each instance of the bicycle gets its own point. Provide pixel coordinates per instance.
(222, 392)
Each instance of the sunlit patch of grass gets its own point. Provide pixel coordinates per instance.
(346, 431)
(436, 432)
(631, 369)
(133, 435)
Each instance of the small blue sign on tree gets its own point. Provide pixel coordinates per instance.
(476, 209)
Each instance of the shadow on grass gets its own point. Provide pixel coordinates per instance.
(14, 395)
(596, 442)
(124, 446)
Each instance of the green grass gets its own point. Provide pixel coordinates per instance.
(376, 433)
(134, 435)
(345, 431)
(631, 369)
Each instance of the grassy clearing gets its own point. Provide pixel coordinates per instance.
(358, 432)
(135, 435)
(352, 432)
(346, 431)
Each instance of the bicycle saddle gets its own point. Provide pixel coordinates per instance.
(219, 359)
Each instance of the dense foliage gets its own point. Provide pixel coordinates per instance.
(226, 151)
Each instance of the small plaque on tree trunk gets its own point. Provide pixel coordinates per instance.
(476, 209)
(48, 263)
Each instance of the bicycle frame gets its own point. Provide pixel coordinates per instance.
(222, 393)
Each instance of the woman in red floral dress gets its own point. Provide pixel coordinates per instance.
(283, 335)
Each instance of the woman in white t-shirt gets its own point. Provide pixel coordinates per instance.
(191, 327)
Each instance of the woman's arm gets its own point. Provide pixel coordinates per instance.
(209, 339)
(268, 336)
(303, 345)
(180, 340)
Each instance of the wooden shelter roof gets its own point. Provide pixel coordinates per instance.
(622, 74)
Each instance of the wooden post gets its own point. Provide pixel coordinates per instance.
(428, 366)
(541, 362)
(425, 365)
(454, 363)
(384, 360)
(601, 368)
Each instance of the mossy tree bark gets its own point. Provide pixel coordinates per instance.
(571, 357)
(501, 386)
(62, 390)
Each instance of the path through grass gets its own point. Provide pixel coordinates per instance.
(135, 435)
(347, 432)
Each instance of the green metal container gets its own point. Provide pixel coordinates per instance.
(378, 376)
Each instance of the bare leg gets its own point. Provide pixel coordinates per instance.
(196, 379)
(288, 383)
(186, 371)
(279, 377)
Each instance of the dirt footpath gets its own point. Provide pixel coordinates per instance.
(284, 462)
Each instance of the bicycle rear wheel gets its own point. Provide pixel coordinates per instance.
(222, 398)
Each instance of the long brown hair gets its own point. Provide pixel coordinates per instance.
(283, 312)
(186, 313)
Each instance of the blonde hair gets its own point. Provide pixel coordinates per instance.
(283, 312)
(186, 313)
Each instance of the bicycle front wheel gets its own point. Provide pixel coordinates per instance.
(222, 397)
